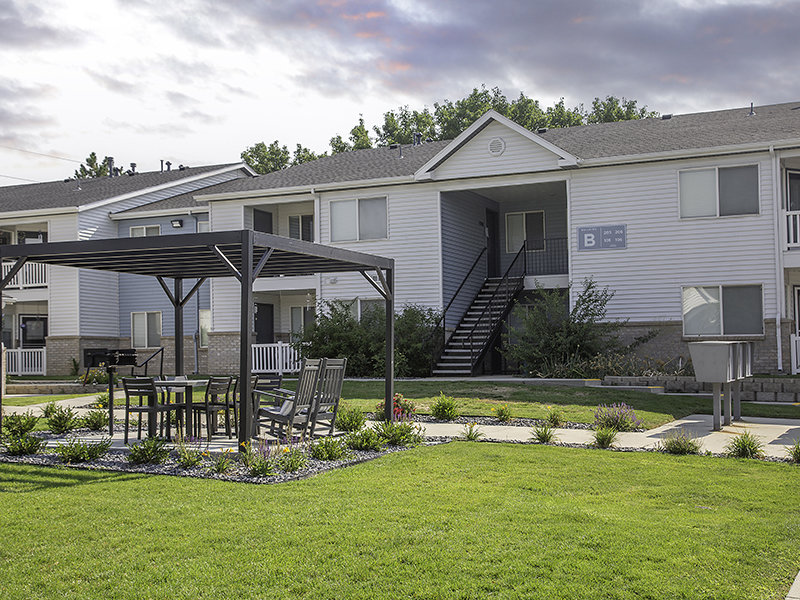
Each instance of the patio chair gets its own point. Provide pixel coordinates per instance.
(328, 395)
(151, 403)
(217, 398)
(295, 408)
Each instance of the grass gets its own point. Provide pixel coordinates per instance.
(28, 400)
(456, 521)
(478, 398)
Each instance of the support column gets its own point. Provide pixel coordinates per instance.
(717, 401)
(246, 340)
(389, 391)
(737, 400)
(178, 305)
(726, 392)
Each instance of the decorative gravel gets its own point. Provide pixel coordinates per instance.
(515, 422)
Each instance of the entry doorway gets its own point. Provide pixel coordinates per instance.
(33, 331)
(265, 323)
(492, 243)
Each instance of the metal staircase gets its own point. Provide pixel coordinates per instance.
(482, 322)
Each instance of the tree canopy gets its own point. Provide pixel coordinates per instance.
(448, 119)
(91, 169)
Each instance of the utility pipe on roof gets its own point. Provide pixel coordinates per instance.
(780, 291)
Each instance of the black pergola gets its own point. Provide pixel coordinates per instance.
(244, 254)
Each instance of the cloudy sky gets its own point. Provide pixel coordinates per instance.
(197, 81)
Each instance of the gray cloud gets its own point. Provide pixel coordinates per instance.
(113, 84)
(663, 54)
(24, 28)
(20, 117)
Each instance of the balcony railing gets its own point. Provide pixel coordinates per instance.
(277, 358)
(31, 275)
(553, 259)
(26, 361)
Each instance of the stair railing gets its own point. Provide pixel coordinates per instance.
(498, 305)
(160, 353)
(441, 323)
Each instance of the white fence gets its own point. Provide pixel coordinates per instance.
(277, 358)
(795, 351)
(30, 275)
(26, 361)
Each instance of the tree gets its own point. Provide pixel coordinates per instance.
(266, 159)
(359, 136)
(400, 126)
(303, 155)
(454, 117)
(613, 109)
(339, 145)
(559, 115)
(91, 169)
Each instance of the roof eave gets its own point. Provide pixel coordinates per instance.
(162, 212)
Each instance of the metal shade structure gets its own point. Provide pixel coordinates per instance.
(243, 254)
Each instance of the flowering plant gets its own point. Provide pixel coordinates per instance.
(403, 408)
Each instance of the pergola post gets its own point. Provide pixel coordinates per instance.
(178, 306)
(389, 391)
(3, 284)
(246, 341)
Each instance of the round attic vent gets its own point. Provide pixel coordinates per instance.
(496, 146)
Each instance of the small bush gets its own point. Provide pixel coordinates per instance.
(96, 420)
(471, 433)
(365, 439)
(444, 408)
(399, 433)
(543, 434)
(21, 445)
(604, 437)
(503, 413)
(263, 461)
(101, 401)
(76, 451)
(49, 409)
(620, 417)
(350, 419)
(554, 417)
(329, 448)
(189, 452)
(679, 442)
(149, 451)
(221, 462)
(62, 420)
(403, 408)
(19, 424)
(793, 451)
(293, 459)
(745, 445)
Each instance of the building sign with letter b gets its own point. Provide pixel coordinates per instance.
(603, 237)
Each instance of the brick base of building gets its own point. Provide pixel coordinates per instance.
(223, 352)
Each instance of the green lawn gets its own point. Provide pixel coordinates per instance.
(456, 521)
(28, 400)
(477, 398)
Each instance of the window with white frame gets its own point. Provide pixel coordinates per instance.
(719, 192)
(358, 219)
(301, 227)
(202, 227)
(367, 305)
(723, 310)
(145, 230)
(301, 317)
(146, 329)
(204, 316)
(524, 227)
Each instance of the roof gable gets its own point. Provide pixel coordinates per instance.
(495, 145)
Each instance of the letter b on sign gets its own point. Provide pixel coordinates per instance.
(589, 240)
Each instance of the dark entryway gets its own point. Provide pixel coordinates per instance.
(33, 331)
(492, 243)
(265, 323)
(262, 220)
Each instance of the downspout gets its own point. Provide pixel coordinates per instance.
(196, 336)
(780, 299)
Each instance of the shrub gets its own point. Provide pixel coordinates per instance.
(149, 451)
(293, 459)
(793, 451)
(329, 448)
(76, 451)
(62, 420)
(543, 434)
(503, 413)
(745, 445)
(19, 424)
(617, 416)
(403, 408)
(399, 433)
(471, 433)
(101, 401)
(189, 452)
(350, 419)
(263, 460)
(96, 420)
(365, 439)
(49, 409)
(604, 437)
(554, 417)
(444, 408)
(221, 462)
(19, 445)
(679, 442)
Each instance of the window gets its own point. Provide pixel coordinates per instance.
(145, 230)
(146, 329)
(793, 188)
(524, 227)
(723, 310)
(719, 192)
(202, 227)
(204, 326)
(301, 317)
(369, 305)
(361, 219)
(301, 227)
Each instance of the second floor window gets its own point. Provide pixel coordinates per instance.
(524, 227)
(361, 219)
(719, 192)
(301, 227)
(145, 230)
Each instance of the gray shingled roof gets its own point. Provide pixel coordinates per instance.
(771, 123)
(60, 194)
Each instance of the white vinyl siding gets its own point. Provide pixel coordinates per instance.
(63, 286)
(358, 219)
(723, 310)
(719, 191)
(145, 329)
(145, 230)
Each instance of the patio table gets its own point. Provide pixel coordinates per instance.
(188, 386)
